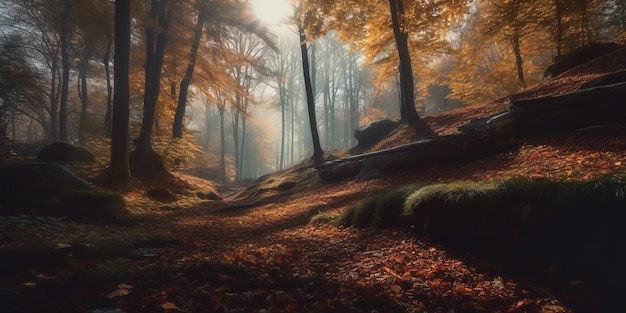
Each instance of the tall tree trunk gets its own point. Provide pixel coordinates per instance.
(184, 84)
(65, 60)
(243, 151)
(236, 139)
(283, 104)
(144, 161)
(84, 102)
(207, 128)
(119, 170)
(223, 145)
(292, 126)
(325, 97)
(107, 74)
(585, 29)
(518, 57)
(318, 153)
(407, 85)
(54, 101)
(559, 28)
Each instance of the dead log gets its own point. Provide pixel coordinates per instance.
(603, 105)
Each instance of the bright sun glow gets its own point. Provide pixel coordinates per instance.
(272, 11)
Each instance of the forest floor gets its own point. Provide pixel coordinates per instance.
(188, 256)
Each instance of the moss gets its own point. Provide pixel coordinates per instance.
(322, 218)
(505, 215)
(494, 215)
(380, 210)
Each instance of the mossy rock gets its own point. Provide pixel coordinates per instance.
(53, 190)
(64, 152)
(87, 206)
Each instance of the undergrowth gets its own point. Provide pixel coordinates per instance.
(491, 215)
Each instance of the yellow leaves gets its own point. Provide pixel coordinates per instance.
(122, 290)
(396, 289)
(170, 306)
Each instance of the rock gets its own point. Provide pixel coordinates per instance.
(373, 133)
(64, 152)
(53, 190)
(579, 56)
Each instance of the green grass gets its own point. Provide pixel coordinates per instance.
(380, 210)
(493, 215)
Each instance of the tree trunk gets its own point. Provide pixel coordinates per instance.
(107, 74)
(243, 149)
(318, 153)
(144, 161)
(119, 170)
(207, 128)
(407, 85)
(559, 28)
(235, 124)
(518, 57)
(84, 101)
(65, 60)
(283, 104)
(184, 84)
(223, 145)
(54, 104)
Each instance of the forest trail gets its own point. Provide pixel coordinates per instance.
(182, 256)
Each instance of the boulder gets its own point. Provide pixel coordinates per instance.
(579, 56)
(50, 189)
(64, 152)
(373, 133)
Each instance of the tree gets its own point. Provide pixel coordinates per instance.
(303, 22)
(120, 169)
(417, 27)
(50, 23)
(184, 84)
(92, 39)
(246, 68)
(144, 161)
(280, 64)
(66, 28)
(20, 87)
(226, 14)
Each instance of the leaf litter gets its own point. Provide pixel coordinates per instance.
(267, 259)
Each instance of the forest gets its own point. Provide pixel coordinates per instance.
(312, 155)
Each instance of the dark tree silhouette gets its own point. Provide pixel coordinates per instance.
(318, 153)
(119, 170)
(407, 85)
(144, 161)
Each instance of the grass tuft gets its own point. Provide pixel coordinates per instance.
(322, 218)
(380, 210)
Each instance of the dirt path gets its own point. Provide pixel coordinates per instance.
(267, 259)
(186, 258)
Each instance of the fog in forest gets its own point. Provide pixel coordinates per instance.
(244, 110)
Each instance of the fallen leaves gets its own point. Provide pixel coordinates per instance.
(121, 290)
(268, 259)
